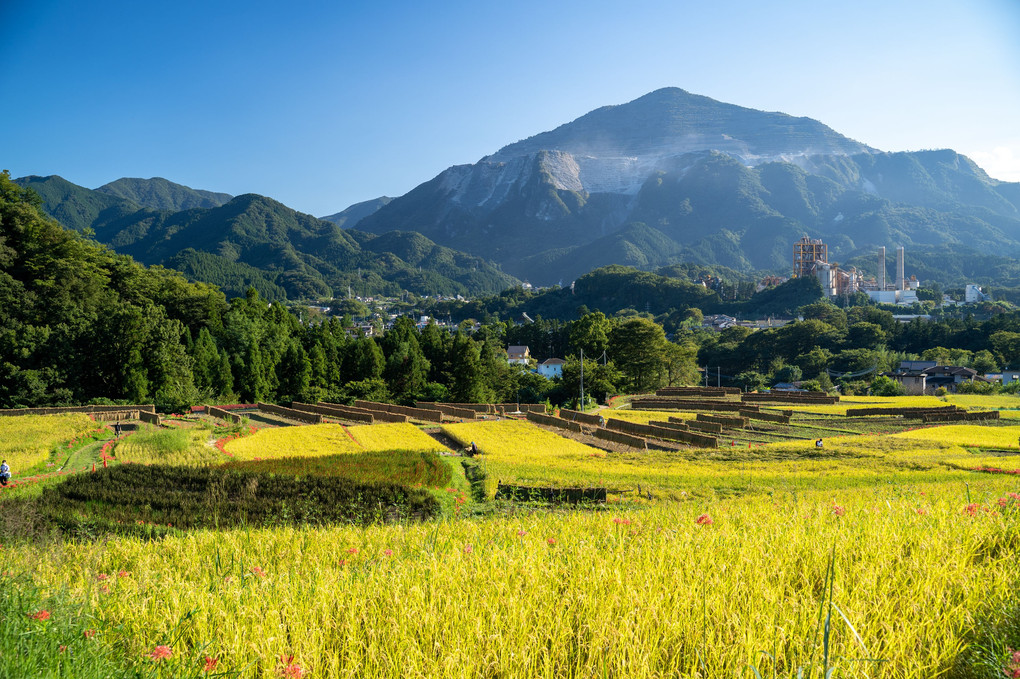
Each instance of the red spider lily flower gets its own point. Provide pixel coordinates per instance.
(102, 576)
(123, 574)
(63, 647)
(704, 520)
(521, 533)
(290, 669)
(352, 550)
(621, 522)
(342, 563)
(551, 541)
(89, 633)
(105, 589)
(210, 664)
(387, 552)
(972, 509)
(160, 653)
(922, 511)
(40, 615)
(468, 549)
(838, 510)
(258, 571)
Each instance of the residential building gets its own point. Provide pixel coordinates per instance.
(550, 368)
(924, 377)
(519, 354)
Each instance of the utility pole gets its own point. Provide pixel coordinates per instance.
(581, 409)
(718, 376)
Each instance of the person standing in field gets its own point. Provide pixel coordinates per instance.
(5, 473)
(116, 428)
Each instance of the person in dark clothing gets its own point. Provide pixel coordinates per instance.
(116, 428)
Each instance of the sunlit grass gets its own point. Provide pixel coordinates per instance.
(151, 445)
(26, 441)
(642, 593)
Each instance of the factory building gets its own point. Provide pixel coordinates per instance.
(811, 258)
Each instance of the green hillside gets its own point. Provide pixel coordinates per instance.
(160, 194)
(254, 240)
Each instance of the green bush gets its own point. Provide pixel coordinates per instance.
(886, 386)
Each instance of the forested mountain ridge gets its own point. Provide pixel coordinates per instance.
(675, 177)
(254, 241)
(161, 194)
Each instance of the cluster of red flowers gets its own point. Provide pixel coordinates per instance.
(289, 669)
(1012, 668)
(995, 470)
(40, 615)
(704, 520)
(221, 443)
(973, 508)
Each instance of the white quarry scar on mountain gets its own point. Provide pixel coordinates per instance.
(490, 181)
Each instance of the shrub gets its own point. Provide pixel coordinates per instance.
(886, 386)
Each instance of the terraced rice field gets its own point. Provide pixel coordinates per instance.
(877, 556)
(28, 441)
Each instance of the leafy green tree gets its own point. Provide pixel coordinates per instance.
(751, 380)
(865, 335)
(591, 333)
(467, 383)
(680, 362)
(825, 312)
(886, 386)
(638, 349)
(984, 362)
(294, 373)
(223, 385)
(600, 380)
(941, 355)
(788, 373)
(364, 361)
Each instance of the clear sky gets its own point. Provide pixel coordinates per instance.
(323, 104)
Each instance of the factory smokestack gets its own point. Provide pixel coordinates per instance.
(900, 276)
(881, 268)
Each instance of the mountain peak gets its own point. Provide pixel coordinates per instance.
(671, 121)
(162, 194)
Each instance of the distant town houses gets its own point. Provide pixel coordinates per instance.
(719, 322)
(924, 377)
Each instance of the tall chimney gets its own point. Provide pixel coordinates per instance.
(881, 268)
(899, 268)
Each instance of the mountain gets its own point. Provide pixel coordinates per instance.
(75, 206)
(674, 176)
(350, 217)
(256, 241)
(160, 194)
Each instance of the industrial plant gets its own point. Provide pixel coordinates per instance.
(811, 258)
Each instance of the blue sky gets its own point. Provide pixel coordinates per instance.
(321, 105)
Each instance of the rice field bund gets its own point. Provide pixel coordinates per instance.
(204, 548)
